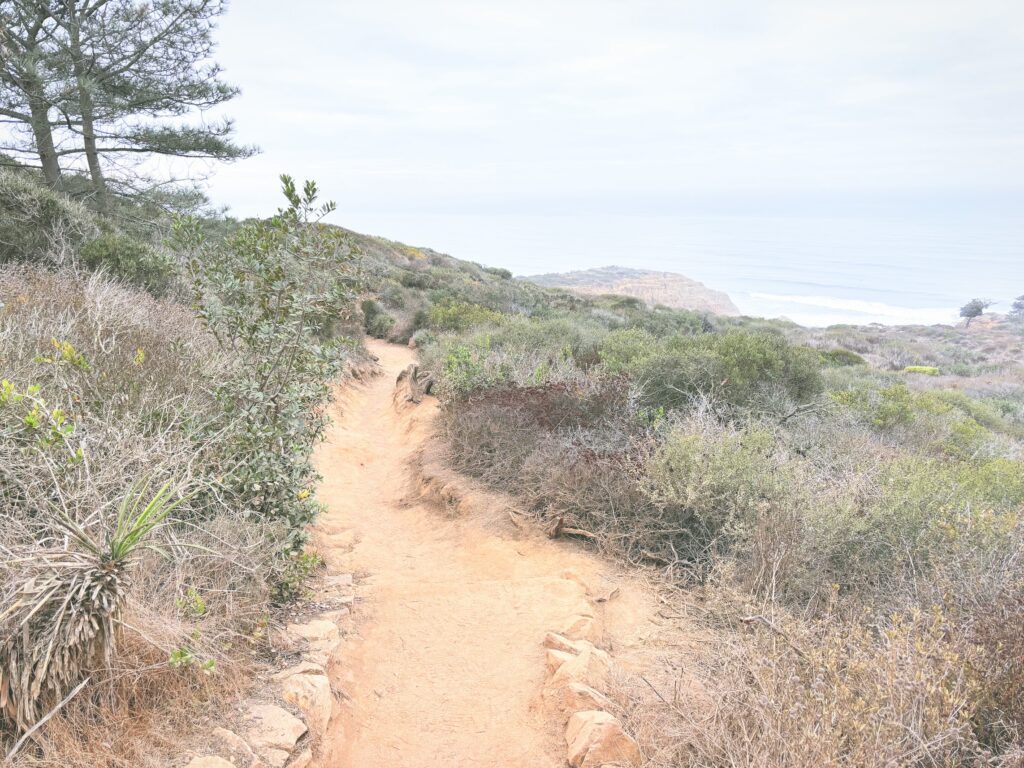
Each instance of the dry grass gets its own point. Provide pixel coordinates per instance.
(846, 691)
(132, 375)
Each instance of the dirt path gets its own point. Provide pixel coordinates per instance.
(446, 666)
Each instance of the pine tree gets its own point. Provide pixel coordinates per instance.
(974, 308)
(111, 82)
(1017, 308)
(138, 68)
(28, 82)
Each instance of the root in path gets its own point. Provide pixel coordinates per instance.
(445, 666)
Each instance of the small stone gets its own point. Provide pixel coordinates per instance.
(315, 631)
(582, 696)
(233, 746)
(272, 728)
(312, 695)
(336, 616)
(574, 697)
(302, 668)
(555, 659)
(275, 758)
(595, 738)
(583, 628)
(558, 642)
(209, 761)
(590, 667)
(339, 581)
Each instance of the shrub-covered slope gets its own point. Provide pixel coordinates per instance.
(158, 409)
(859, 489)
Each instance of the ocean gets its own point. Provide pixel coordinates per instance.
(814, 271)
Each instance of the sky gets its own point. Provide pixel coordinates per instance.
(544, 136)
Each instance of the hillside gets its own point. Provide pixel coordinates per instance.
(666, 288)
(775, 481)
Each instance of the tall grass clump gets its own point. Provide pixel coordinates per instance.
(62, 621)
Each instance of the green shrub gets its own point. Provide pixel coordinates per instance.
(423, 338)
(38, 224)
(380, 325)
(621, 347)
(895, 409)
(841, 357)
(463, 370)
(454, 315)
(716, 477)
(419, 280)
(927, 370)
(137, 262)
(275, 290)
(734, 368)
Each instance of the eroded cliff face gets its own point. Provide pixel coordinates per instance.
(667, 288)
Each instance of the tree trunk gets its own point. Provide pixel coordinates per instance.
(87, 109)
(45, 148)
(92, 157)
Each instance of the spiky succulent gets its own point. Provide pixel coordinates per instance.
(62, 619)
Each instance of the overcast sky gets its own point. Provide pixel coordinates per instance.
(406, 110)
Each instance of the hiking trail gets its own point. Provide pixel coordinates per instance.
(445, 664)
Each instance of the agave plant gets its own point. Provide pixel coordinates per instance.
(62, 620)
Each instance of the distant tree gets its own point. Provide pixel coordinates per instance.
(974, 308)
(1017, 308)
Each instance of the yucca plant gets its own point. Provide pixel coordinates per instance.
(62, 620)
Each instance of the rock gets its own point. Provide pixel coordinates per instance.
(210, 762)
(302, 760)
(272, 731)
(574, 697)
(595, 738)
(233, 747)
(339, 581)
(315, 631)
(412, 384)
(583, 628)
(321, 638)
(336, 616)
(302, 668)
(275, 758)
(580, 696)
(558, 642)
(555, 659)
(312, 695)
(590, 667)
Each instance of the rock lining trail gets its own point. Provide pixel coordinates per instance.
(445, 663)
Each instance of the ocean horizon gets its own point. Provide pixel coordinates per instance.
(815, 271)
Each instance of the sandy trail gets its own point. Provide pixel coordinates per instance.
(445, 666)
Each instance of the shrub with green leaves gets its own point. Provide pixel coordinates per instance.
(450, 315)
(736, 368)
(274, 290)
(39, 224)
(842, 357)
(133, 260)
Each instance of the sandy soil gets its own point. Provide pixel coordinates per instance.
(445, 666)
